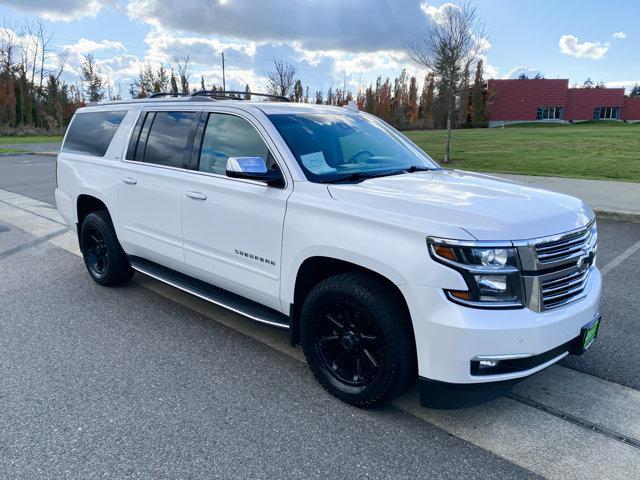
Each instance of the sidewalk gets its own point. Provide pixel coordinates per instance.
(613, 200)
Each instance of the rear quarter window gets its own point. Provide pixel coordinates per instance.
(91, 133)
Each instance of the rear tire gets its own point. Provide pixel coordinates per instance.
(103, 256)
(357, 340)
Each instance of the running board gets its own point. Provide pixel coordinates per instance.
(218, 296)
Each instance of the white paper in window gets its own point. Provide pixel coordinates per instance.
(315, 163)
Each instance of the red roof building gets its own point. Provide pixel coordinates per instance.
(513, 101)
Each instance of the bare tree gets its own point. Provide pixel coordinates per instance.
(62, 62)
(280, 80)
(182, 65)
(451, 43)
(9, 44)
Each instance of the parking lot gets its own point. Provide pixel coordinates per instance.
(145, 381)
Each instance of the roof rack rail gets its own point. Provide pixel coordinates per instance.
(233, 95)
(167, 94)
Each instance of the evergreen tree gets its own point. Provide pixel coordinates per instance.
(411, 108)
(92, 78)
(174, 83)
(247, 92)
(478, 99)
(463, 107)
(298, 91)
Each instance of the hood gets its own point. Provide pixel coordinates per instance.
(487, 207)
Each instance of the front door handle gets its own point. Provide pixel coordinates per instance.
(129, 180)
(196, 195)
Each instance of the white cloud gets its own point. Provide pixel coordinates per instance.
(517, 71)
(355, 26)
(437, 13)
(594, 50)
(61, 10)
(83, 46)
(619, 35)
(163, 45)
(626, 84)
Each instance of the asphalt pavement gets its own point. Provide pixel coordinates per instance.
(29, 175)
(121, 382)
(143, 381)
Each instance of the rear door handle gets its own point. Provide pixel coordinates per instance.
(196, 195)
(129, 180)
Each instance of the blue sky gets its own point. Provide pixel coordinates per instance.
(331, 42)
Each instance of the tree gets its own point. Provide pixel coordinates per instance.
(92, 79)
(463, 107)
(635, 91)
(174, 83)
(247, 92)
(161, 80)
(319, 99)
(330, 96)
(478, 99)
(281, 79)
(425, 107)
(182, 65)
(588, 83)
(411, 108)
(448, 46)
(298, 91)
(523, 76)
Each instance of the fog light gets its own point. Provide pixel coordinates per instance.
(492, 283)
(488, 363)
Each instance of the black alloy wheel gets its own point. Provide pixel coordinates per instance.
(356, 335)
(98, 255)
(103, 256)
(348, 343)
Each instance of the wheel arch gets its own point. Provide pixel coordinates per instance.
(314, 269)
(87, 203)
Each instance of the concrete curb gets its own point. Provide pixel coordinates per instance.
(629, 217)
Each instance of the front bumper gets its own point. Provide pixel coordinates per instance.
(448, 336)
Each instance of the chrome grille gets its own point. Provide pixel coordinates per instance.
(567, 246)
(564, 289)
(557, 268)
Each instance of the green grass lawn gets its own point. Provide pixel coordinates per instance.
(11, 150)
(602, 150)
(29, 139)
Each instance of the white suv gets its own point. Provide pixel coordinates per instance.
(328, 222)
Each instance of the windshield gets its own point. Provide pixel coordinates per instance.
(333, 147)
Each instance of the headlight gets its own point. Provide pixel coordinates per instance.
(491, 272)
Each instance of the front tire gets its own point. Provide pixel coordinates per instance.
(356, 337)
(103, 256)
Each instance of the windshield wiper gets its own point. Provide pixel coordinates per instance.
(355, 176)
(417, 168)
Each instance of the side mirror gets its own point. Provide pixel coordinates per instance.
(254, 168)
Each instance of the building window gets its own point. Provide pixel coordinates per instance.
(550, 113)
(606, 113)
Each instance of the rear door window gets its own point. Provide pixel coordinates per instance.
(91, 133)
(169, 138)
